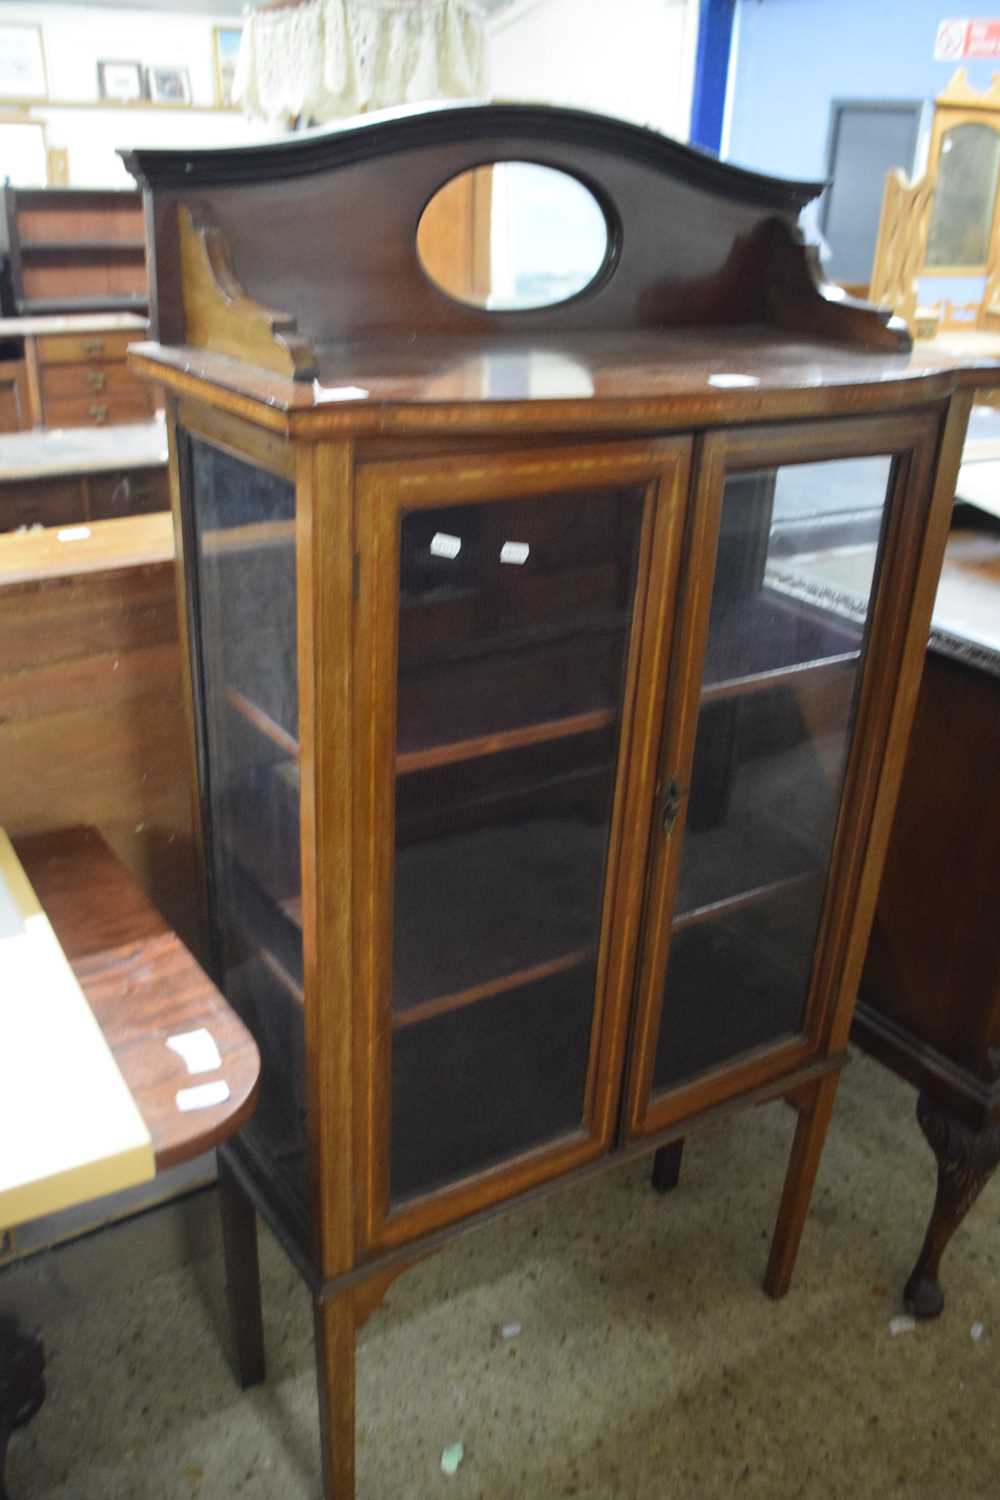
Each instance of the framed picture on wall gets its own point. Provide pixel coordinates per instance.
(120, 80)
(226, 45)
(22, 63)
(168, 85)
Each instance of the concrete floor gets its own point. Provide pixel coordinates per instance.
(649, 1365)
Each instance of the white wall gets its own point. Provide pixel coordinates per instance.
(76, 37)
(633, 58)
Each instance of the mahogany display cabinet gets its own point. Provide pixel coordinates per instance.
(543, 801)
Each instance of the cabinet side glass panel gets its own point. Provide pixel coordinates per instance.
(244, 601)
(796, 565)
(514, 626)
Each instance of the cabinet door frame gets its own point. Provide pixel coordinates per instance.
(385, 491)
(909, 558)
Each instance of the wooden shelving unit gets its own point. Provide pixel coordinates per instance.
(76, 249)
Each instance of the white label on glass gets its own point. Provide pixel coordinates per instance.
(203, 1095)
(514, 552)
(198, 1050)
(443, 545)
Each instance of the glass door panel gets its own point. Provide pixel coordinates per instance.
(514, 629)
(243, 591)
(786, 639)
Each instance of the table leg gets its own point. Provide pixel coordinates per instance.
(22, 1385)
(966, 1159)
(239, 1244)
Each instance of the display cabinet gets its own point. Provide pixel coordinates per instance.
(544, 794)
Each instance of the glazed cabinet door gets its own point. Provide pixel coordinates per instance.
(772, 753)
(513, 610)
(238, 530)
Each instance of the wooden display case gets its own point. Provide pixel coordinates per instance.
(543, 802)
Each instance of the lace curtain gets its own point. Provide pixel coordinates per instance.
(315, 60)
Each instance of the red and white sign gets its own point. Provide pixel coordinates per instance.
(957, 39)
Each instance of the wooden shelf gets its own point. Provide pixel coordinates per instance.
(497, 744)
(81, 247)
(114, 302)
(523, 904)
(737, 983)
(730, 904)
(200, 109)
(762, 638)
(758, 682)
(451, 753)
(441, 1004)
(263, 722)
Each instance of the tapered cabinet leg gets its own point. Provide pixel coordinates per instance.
(239, 1243)
(966, 1160)
(815, 1108)
(336, 1326)
(667, 1166)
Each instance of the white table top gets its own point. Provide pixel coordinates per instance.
(106, 322)
(69, 1127)
(46, 451)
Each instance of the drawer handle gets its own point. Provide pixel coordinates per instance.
(99, 413)
(93, 346)
(95, 380)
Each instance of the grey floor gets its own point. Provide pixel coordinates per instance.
(649, 1365)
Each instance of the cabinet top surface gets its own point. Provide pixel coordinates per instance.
(670, 378)
(72, 323)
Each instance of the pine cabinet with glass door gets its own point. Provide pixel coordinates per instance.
(544, 778)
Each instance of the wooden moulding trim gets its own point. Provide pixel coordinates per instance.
(641, 415)
(390, 131)
(221, 316)
(799, 299)
(959, 91)
(923, 1065)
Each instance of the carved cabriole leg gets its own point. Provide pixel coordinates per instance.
(336, 1325)
(815, 1106)
(667, 1166)
(22, 1385)
(966, 1159)
(239, 1243)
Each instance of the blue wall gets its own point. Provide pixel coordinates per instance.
(792, 57)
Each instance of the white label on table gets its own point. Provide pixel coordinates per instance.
(514, 552)
(443, 545)
(203, 1095)
(198, 1050)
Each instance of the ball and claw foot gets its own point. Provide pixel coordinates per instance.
(966, 1159)
(22, 1385)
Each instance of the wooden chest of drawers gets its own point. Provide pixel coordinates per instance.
(50, 478)
(77, 376)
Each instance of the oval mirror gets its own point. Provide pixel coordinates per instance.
(512, 235)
